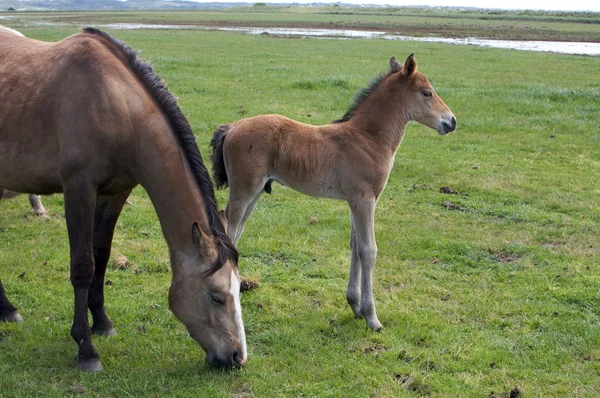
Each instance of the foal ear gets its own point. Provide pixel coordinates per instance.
(201, 241)
(395, 66)
(223, 218)
(410, 65)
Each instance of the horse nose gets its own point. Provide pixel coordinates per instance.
(238, 359)
(453, 121)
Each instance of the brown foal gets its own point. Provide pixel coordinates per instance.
(350, 160)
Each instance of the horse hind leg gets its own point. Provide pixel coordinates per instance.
(106, 214)
(8, 312)
(36, 204)
(242, 201)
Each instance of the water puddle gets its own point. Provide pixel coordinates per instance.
(578, 48)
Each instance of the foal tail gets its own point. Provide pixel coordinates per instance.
(218, 161)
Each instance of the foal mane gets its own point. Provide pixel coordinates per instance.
(185, 135)
(361, 97)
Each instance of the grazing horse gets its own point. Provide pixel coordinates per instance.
(350, 160)
(101, 122)
(34, 200)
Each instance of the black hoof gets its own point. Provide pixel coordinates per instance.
(12, 317)
(89, 365)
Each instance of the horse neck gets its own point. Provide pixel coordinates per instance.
(165, 174)
(381, 119)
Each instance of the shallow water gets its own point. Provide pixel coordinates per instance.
(548, 46)
(578, 48)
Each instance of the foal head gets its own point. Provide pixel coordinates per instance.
(205, 296)
(420, 101)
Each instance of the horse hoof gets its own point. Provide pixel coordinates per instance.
(375, 326)
(89, 365)
(12, 317)
(104, 332)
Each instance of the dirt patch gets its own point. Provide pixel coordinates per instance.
(504, 257)
(248, 284)
(514, 393)
(452, 206)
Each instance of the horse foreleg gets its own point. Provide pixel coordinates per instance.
(38, 207)
(8, 312)
(80, 201)
(353, 290)
(107, 212)
(363, 214)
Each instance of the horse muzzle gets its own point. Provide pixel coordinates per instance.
(235, 360)
(447, 125)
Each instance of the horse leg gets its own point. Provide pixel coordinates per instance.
(107, 212)
(38, 207)
(80, 201)
(8, 312)
(363, 213)
(353, 290)
(239, 207)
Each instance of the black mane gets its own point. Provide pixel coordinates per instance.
(185, 135)
(361, 97)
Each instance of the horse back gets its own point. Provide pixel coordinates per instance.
(65, 106)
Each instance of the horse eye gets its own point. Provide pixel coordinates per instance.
(216, 299)
(427, 94)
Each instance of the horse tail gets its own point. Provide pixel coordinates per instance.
(218, 161)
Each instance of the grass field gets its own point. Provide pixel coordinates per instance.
(500, 293)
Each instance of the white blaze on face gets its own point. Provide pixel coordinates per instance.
(235, 292)
(16, 32)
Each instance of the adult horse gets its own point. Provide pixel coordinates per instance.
(350, 159)
(87, 117)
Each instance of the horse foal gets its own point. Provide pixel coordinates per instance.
(350, 160)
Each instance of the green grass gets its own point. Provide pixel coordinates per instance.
(502, 294)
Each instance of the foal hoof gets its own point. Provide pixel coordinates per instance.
(12, 317)
(89, 365)
(375, 326)
(104, 332)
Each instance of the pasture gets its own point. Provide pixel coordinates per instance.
(487, 290)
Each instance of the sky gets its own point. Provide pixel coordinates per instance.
(570, 5)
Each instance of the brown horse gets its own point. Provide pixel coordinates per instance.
(350, 159)
(87, 117)
(34, 200)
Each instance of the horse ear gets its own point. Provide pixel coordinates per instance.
(223, 218)
(395, 66)
(410, 65)
(200, 240)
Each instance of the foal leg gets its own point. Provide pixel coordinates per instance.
(80, 201)
(8, 312)
(353, 290)
(363, 213)
(239, 207)
(107, 212)
(38, 207)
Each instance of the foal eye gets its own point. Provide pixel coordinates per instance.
(427, 94)
(216, 299)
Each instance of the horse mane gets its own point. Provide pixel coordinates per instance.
(361, 97)
(185, 136)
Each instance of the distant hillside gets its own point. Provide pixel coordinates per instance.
(111, 5)
(128, 5)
